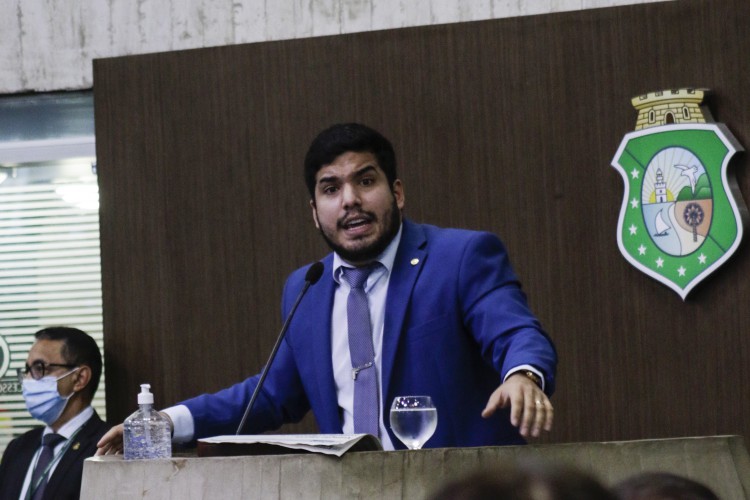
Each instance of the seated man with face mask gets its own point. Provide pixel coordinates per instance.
(59, 380)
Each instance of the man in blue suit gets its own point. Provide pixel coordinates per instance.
(447, 318)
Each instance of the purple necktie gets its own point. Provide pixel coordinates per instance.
(49, 441)
(366, 406)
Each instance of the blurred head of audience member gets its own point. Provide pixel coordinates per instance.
(525, 481)
(662, 486)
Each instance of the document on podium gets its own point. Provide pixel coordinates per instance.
(275, 444)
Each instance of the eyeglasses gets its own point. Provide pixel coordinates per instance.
(39, 369)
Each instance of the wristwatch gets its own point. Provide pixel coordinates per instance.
(532, 376)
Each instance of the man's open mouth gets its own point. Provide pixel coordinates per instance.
(355, 222)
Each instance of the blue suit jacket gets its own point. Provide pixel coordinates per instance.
(456, 321)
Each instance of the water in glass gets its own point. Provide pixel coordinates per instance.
(413, 420)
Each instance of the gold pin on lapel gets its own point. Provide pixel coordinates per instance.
(76, 445)
(414, 261)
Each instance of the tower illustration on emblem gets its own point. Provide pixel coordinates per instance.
(682, 216)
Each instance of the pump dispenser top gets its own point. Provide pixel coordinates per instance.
(145, 397)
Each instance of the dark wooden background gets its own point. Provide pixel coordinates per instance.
(504, 125)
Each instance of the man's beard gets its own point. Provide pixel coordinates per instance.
(368, 253)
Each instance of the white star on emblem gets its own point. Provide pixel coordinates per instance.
(659, 262)
(681, 271)
(633, 229)
(634, 173)
(634, 203)
(642, 250)
(702, 258)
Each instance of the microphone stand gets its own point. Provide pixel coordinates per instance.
(313, 275)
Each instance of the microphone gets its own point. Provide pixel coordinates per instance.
(314, 272)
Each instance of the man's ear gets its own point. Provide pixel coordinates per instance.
(83, 379)
(398, 193)
(314, 213)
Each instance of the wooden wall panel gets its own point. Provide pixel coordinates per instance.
(504, 125)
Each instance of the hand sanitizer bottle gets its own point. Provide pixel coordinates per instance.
(147, 433)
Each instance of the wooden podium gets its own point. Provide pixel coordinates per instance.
(721, 462)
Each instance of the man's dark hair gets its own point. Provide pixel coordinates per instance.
(524, 480)
(343, 138)
(662, 486)
(78, 349)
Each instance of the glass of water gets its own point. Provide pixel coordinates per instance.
(413, 420)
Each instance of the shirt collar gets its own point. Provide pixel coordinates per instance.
(386, 258)
(73, 424)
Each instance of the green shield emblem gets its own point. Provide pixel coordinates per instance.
(679, 219)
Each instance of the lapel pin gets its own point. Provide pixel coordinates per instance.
(76, 446)
(414, 262)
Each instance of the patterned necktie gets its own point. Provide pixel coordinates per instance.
(49, 441)
(366, 405)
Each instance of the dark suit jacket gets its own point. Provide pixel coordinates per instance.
(456, 321)
(65, 482)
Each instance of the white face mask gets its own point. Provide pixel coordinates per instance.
(43, 400)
